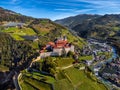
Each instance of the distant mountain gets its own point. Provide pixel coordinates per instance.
(6, 11)
(94, 25)
(75, 20)
(8, 15)
(101, 27)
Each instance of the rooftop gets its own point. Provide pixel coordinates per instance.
(57, 44)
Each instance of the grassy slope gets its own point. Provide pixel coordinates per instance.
(81, 81)
(74, 39)
(16, 33)
(67, 79)
(33, 82)
(26, 86)
(35, 79)
(44, 29)
(63, 85)
(37, 84)
(62, 62)
(48, 31)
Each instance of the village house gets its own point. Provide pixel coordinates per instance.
(57, 48)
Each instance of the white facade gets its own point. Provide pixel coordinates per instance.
(57, 52)
(72, 48)
(47, 54)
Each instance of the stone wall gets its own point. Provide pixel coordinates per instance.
(47, 54)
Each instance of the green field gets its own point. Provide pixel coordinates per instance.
(38, 84)
(17, 37)
(64, 61)
(36, 80)
(26, 86)
(63, 84)
(60, 75)
(67, 79)
(16, 33)
(81, 81)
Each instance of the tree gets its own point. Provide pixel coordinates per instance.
(48, 65)
(70, 54)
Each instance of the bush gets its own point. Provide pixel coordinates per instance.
(70, 54)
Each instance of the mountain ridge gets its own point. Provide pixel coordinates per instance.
(78, 19)
(9, 15)
(101, 26)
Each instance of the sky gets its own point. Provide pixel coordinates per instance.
(58, 9)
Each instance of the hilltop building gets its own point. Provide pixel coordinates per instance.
(57, 48)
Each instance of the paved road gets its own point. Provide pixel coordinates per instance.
(37, 59)
(62, 68)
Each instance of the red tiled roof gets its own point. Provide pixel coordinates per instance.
(51, 43)
(57, 47)
(44, 48)
(62, 42)
(41, 51)
(59, 44)
(67, 46)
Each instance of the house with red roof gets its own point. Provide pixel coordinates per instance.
(57, 47)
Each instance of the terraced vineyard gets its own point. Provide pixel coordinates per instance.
(65, 79)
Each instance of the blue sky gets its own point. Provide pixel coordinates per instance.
(57, 9)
